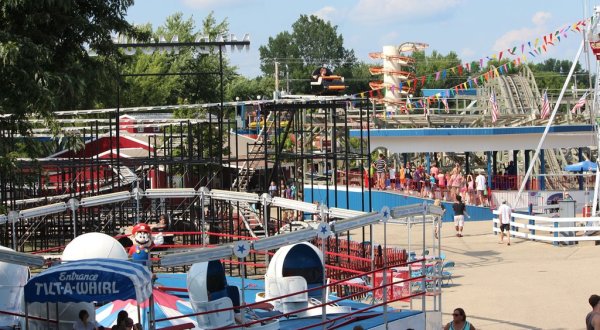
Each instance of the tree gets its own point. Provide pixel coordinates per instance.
(551, 74)
(172, 88)
(312, 43)
(45, 65)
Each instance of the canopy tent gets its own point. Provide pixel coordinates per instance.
(584, 166)
(91, 280)
(165, 306)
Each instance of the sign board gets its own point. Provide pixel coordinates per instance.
(90, 280)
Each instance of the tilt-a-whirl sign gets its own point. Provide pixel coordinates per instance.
(88, 281)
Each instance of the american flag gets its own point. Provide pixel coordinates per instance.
(545, 106)
(494, 104)
(579, 103)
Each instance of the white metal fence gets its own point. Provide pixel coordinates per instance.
(547, 228)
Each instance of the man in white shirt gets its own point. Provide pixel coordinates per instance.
(504, 215)
(480, 187)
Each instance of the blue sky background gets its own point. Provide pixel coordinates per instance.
(472, 28)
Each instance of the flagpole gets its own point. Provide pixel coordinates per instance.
(556, 105)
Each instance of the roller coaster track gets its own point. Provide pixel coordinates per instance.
(515, 93)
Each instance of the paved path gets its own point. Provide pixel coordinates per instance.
(528, 285)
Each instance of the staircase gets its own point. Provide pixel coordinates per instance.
(127, 176)
(248, 215)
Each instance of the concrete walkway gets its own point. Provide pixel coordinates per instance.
(527, 285)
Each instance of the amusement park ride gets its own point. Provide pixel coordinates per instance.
(240, 254)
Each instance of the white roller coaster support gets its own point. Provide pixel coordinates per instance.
(556, 105)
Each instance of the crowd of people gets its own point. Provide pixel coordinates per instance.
(415, 180)
(283, 190)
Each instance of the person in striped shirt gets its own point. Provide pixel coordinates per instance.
(380, 166)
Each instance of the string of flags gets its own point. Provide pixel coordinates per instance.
(531, 48)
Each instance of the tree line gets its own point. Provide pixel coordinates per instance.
(45, 65)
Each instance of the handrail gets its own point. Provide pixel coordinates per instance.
(549, 225)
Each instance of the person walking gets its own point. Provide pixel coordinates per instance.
(592, 319)
(459, 321)
(460, 211)
(480, 186)
(504, 214)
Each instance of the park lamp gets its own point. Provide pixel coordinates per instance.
(277, 241)
(294, 204)
(43, 210)
(357, 222)
(196, 255)
(117, 197)
(171, 193)
(336, 212)
(20, 258)
(236, 196)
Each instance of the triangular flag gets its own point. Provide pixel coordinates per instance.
(500, 56)
(460, 70)
(437, 76)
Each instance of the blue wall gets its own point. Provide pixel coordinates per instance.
(381, 199)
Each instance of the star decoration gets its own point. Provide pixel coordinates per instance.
(241, 248)
(323, 229)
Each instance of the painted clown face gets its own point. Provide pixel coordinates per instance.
(142, 238)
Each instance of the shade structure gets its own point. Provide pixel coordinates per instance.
(584, 166)
(165, 306)
(90, 280)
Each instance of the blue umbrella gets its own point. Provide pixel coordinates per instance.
(583, 166)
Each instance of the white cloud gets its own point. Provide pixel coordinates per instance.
(325, 13)
(517, 37)
(541, 17)
(385, 10)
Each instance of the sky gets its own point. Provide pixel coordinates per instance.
(473, 29)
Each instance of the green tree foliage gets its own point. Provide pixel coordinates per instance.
(312, 43)
(428, 65)
(43, 59)
(172, 88)
(551, 74)
(244, 89)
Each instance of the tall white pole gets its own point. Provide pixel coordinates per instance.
(556, 105)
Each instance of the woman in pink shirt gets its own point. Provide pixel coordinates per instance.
(441, 182)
